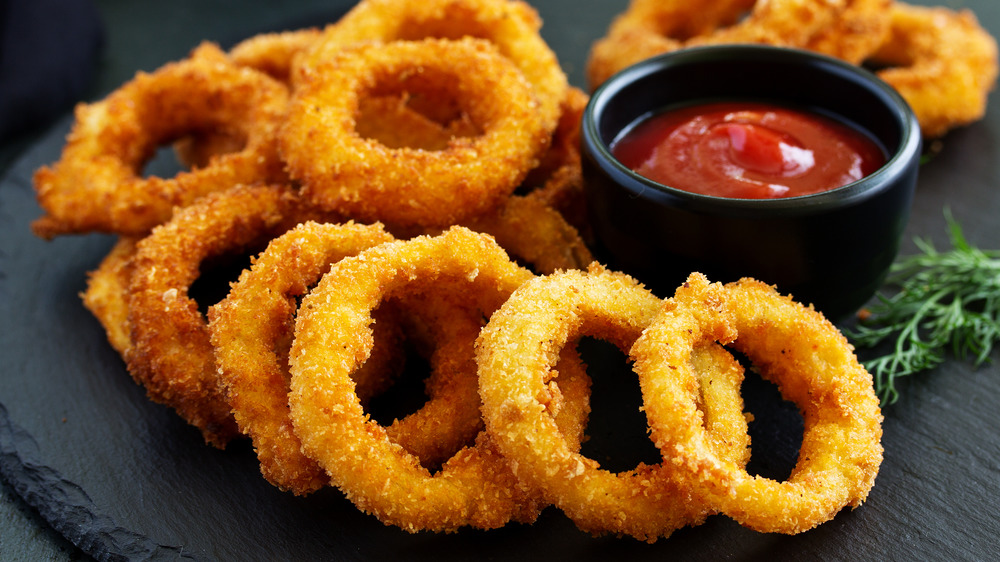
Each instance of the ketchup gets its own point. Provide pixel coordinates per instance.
(747, 150)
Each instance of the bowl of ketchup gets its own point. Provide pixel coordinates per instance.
(751, 161)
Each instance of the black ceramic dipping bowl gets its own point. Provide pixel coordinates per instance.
(831, 249)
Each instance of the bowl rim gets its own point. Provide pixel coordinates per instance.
(896, 165)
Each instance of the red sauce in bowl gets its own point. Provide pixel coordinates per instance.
(747, 150)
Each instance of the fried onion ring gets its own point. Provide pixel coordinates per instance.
(941, 61)
(512, 26)
(342, 171)
(97, 185)
(515, 352)
(171, 355)
(813, 366)
(251, 330)
(475, 487)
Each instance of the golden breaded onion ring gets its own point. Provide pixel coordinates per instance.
(97, 184)
(512, 26)
(476, 486)
(813, 366)
(171, 354)
(516, 351)
(941, 61)
(251, 330)
(340, 170)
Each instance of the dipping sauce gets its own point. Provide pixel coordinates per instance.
(747, 150)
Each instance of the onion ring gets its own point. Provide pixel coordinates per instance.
(515, 351)
(251, 329)
(96, 184)
(941, 61)
(171, 355)
(341, 171)
(511, 25)
(475, 487)
(813, 366)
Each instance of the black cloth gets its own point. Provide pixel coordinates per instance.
(49, 51)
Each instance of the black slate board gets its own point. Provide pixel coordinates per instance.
(124, 478)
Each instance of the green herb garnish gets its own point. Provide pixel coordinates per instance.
(945, 301)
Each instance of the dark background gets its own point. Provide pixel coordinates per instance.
(146, 485)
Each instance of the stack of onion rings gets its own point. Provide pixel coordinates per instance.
(414, 126)
(533, 386)
(473, 102)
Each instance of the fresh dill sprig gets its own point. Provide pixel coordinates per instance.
(946, 301)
